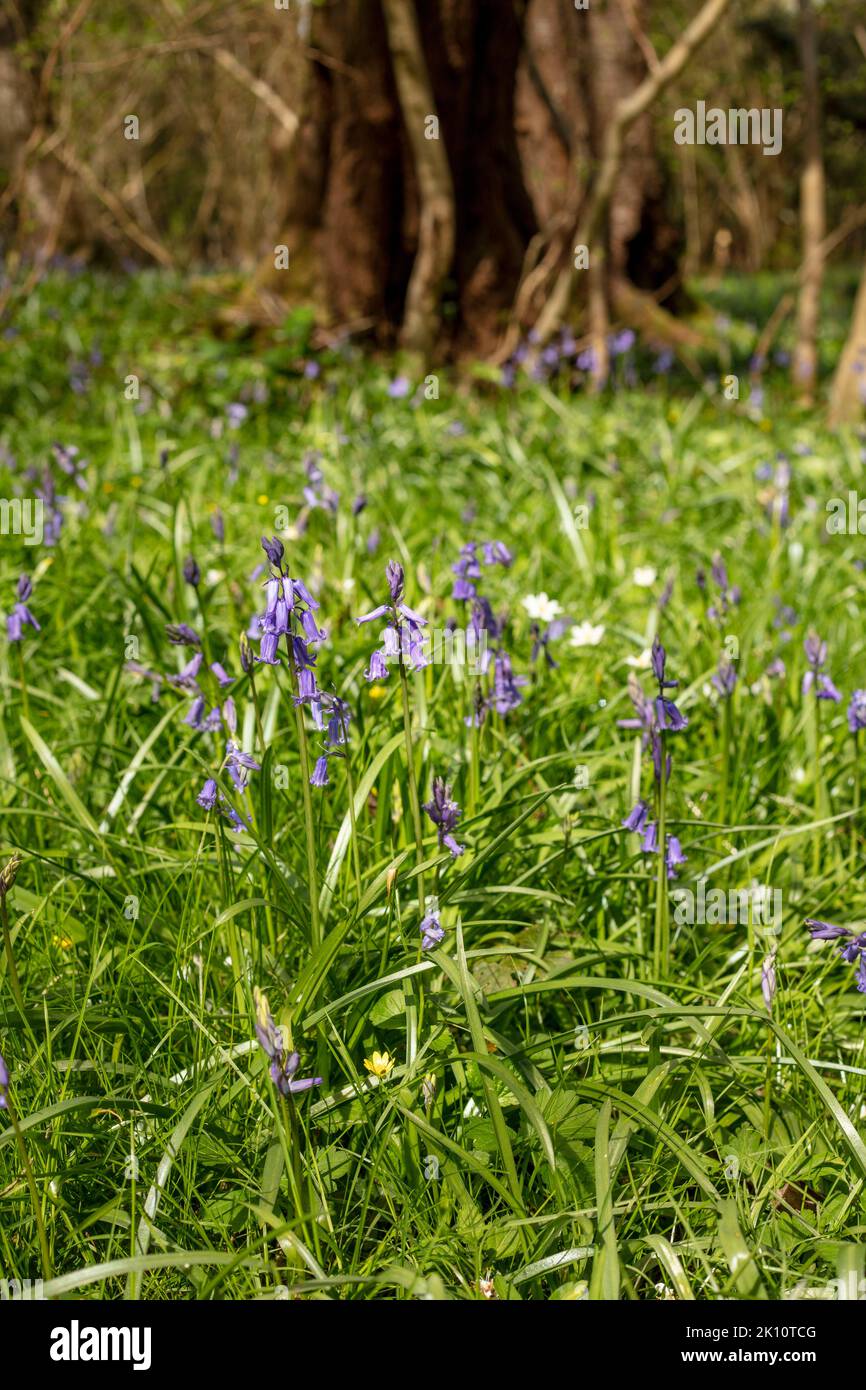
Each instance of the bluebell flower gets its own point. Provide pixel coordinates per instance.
(816, 678)
(319, 776)
(283, 1064)
(432, 932)
(637, 817)
(4, 1084)
(857, 711)
(444, 813)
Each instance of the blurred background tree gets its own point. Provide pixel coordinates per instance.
(426, 166)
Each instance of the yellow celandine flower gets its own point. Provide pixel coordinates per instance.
(377, 692)
(263, 499)
(63, 943)
(380, 1064)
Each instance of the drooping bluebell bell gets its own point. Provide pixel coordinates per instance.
(4, 1084)
(217, 525)
(182, 635)
(637, 817)
(432, 932)
(283, 1064)
(21, 617)
(857, 711)
(239, 763)
(319, 776)
(207, 797)
(816, 678)
(191, 571)
(444, 813)
(674, 856)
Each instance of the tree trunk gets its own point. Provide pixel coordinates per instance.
(422, 318)
(410, 235)
(812, 213)
(848, 394)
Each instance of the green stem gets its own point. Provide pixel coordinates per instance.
(819, 798)
(856, 815)
(413, 784)
(726, 759)
(25, 704)
(660, 941)
(10, 959)
(309, 824)
(34, 1195)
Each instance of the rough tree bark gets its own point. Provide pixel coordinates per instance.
(592, 228)
(434, 256)
(812, 212)
(368, 222)
(848, 393)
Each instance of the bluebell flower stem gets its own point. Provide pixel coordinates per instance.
(309, 823)
(856, 816)
(25, 704)
(819, 798)
(726, 759)
(660, 943)
(414, 802)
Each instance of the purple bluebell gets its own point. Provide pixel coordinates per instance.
(857, 711)
(283, 1064)
(432, 932)
(4, 1084)
(444, 813)
(274, 549)
(207, 797)
(637, 817)
(191, 572)
(816, 677)
(674, 856)
(649, 842)
(319, 777)
(182, 635)
(726, 677)
(21, 617)
(239, 763)
(218, 525)
(399, 388)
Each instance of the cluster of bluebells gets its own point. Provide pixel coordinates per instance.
(402, 636)
(210, 798)
(21, 617)
(283, 1064)
(816, 677)
(562, 356)
(653, 718)
(487, 630)
(853, 949)
(290, 613)
(331, 716)
(728, 595)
